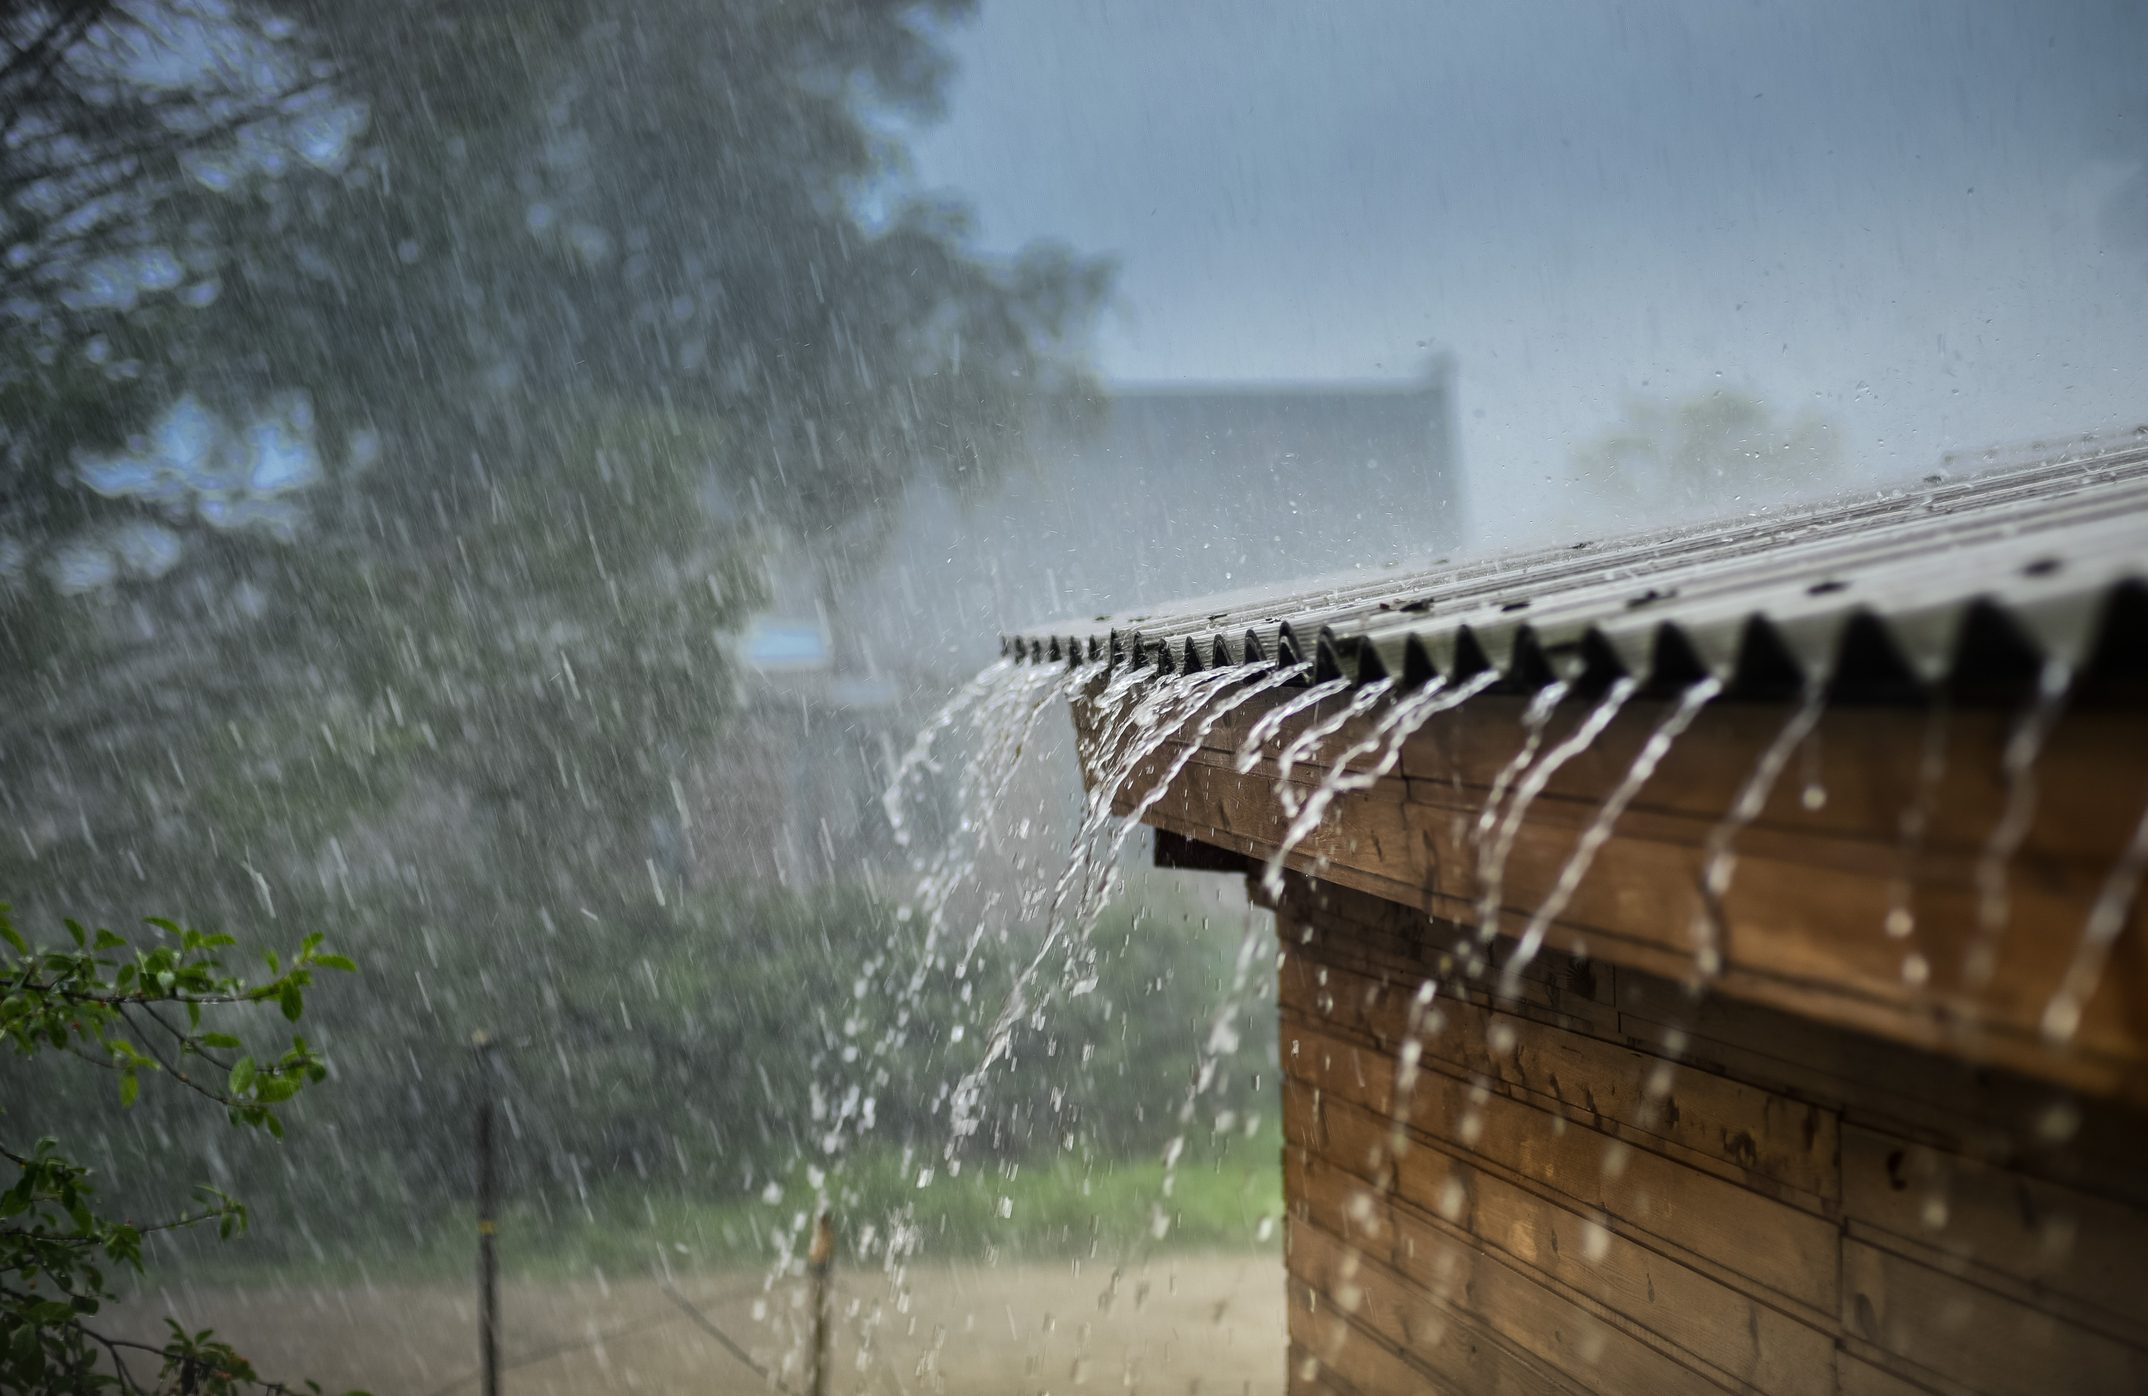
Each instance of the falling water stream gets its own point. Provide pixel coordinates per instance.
(1308, 743)
(1598, 832)
(1915, 823)
(2017, 765)
(2106, 918)
(1719, 861)
(1493, 858)
(1397, 726)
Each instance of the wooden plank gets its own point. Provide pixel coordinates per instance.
(1865, 759)
(1856, 1377)
(1933, 1097)
(1794, 937)
(1622, 1090)
(1998, 1226)
(1370, 1304)
(1307, 1377)
(1771, 1244)
(1980, 1339)
(1801, 933)
(1713, 1326)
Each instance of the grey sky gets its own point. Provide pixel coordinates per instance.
(1924, 221)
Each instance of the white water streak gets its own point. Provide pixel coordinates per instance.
(1534, 718)
(1493, 866)
(1272, 721)
(919, 756)
(1720, 863)
(1307, 744)
(1593, 838)
(1134, 722)
(2106, 919)
(1395, 727)
(2017, 765)
(1215, 714)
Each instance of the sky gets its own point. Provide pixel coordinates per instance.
(1926, 223)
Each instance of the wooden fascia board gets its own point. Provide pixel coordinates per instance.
(1806, 916)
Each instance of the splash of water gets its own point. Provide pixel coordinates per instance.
(1141, 711)
(1492, 865)
(2106, 919)
(918, 759)
(1395, 727)
(2017, 767)
(1598, 832)
(1003, 712)
(1154, 718)
(1719, 862)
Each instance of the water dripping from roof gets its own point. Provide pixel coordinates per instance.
(1271, 722)
(1308, 743)
(2017, 768)
(1719, 863)
(1598, 832)
(1493, 866)
(2106, 920)
(1395, 727)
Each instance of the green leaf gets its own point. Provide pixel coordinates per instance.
(13, 936)
(276, 1090)
(220, 1039)
(343, 962)
(242, 1075)
(130, 1086)
(294, 1002)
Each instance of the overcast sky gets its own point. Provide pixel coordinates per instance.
(1927, 222)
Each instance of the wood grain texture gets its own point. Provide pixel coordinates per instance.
(1804, 919)
(1925, 1232)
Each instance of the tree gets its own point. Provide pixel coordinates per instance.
(1709, 452)
(581, 306)
(114, 1005)
(110, 110)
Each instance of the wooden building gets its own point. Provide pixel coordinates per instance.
(1831, 1072)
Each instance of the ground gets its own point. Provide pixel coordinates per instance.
(1196, 1325)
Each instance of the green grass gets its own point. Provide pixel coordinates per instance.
(1222, 1197)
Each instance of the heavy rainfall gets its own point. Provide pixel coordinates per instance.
(608, 780)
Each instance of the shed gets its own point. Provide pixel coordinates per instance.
(1711, 961)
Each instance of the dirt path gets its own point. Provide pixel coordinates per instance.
(1198, 1325)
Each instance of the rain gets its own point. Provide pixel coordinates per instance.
(844, 696)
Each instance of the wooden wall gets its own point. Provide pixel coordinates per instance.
(1815, 882)
(1609, 1186)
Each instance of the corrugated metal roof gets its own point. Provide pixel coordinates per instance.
(1981, 579)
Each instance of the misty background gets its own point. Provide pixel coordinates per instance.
(1927, 226)
(504, 484)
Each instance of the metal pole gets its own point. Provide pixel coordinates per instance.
(488, 1260)
(820, 1262)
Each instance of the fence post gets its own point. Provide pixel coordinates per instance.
(820, 1264)
(488, 1260)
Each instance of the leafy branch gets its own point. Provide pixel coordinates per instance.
(107, 1001)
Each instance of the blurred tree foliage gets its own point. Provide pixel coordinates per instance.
(1709, 452)
(389, 455)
